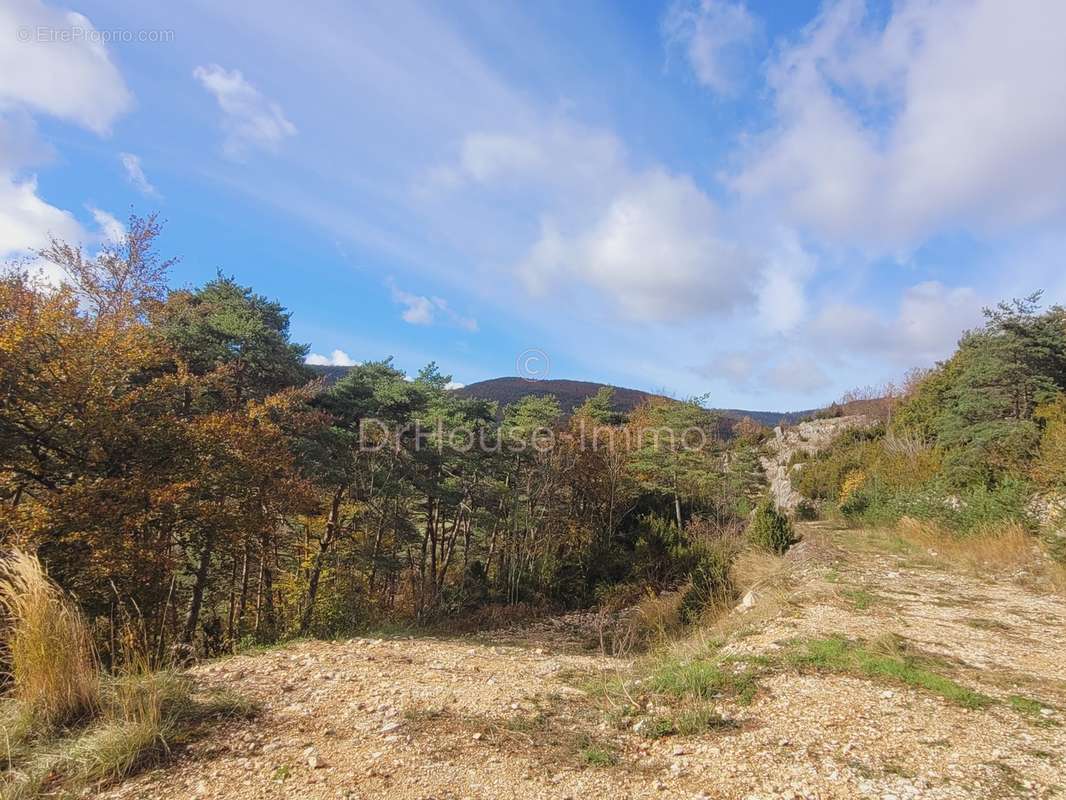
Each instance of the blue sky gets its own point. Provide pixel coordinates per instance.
(766, 202)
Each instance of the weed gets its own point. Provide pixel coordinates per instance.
(861, 598)
(1028, 707)
(704, 679)
(281, 773)
(689, 720)
(594, 753)
(595, 756)
(837, 654)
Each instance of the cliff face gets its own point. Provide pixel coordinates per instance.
(809, 437)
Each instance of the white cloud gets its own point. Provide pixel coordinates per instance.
(250, 120)
(713, 35)
(735, 367)
(422, 310)
(798, 373)
(26, 221)
(925, 328)
(111, 229)
(454, 385)
(338, 358)
(27, 224)
(19, 144)
(559, 153)
(654, 249)
(25, 218)
(760, 369)
(73, 80)
(651, 243)
(135, 174)
(782, 301)
(950, 114)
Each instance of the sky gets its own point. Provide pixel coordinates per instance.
(766, 203)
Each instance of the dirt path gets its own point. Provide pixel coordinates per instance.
(441, 718)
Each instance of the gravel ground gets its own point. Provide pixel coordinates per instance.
(465, 718)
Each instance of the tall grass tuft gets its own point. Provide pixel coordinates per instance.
(1003, 546)
(53, 665)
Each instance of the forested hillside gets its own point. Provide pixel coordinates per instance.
(193, 489)
(571, 394)
(178, 468)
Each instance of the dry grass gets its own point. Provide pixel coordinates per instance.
(53, 666)
(68, 727)
(1003, 549)
(761, 570)
(653, 620)
(1056, 574)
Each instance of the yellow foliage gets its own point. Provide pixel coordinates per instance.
(1050, 467)
(853, 482)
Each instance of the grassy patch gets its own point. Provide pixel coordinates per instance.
(139, 720)
(691, 720)
(68, 726)
(704, 679)
(527, 723)
(596, 756)
(677, 697)
(861, 599)
(1028, 707)
(888, 661)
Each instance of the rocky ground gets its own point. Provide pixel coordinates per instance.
(520, 714)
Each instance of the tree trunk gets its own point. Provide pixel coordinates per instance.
(197, 600)
(264, 604)
(316, 570)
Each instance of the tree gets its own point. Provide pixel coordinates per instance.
(675, 454)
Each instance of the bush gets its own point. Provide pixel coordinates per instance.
(770, 529)
(806, 511)
(53, 668)
(709, 579)
(662, 555)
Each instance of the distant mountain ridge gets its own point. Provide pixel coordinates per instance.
(572, 394)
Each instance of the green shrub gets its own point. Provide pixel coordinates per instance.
(770, 529)
(709, 581)
(662, 555)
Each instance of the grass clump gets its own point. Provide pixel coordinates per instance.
(1029, 707)
(54, 673)
(703, 679)
(690, 720)
(67, 725)
(861, 598)
(888, 659)
(597, 756)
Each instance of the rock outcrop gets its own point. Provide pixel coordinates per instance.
(807, 437)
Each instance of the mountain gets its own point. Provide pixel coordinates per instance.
(572, 394)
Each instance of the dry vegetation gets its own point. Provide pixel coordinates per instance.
(1003, 549)
(53, 669)
(68, 725)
